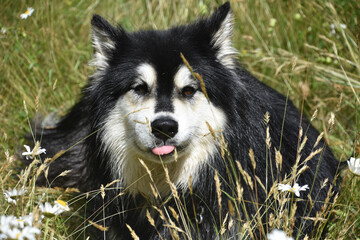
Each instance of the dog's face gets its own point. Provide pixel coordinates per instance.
(156, 109)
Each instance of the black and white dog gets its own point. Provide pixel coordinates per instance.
(147, 109)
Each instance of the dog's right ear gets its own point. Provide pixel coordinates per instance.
(105, 38)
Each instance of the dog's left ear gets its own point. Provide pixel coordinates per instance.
(220, 26)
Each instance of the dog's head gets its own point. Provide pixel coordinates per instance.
(147, 102)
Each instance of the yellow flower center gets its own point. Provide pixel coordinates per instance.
(62, 203)
(27, 12)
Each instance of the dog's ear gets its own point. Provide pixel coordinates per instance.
(220, 26)
(105, 38)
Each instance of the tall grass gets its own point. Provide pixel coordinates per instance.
(300, 48)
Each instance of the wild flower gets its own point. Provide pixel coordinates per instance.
(30, 154)
(278, 235)
(294, 189)
(49, 210)
(11, 195)
(14, 228)
(354, 165)
(333, 28)
(28, 13)
(3, 30)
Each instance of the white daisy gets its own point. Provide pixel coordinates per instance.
(354, 165)
(278, 235)
(294, 189)
(28, 13)
(3, 30)
(30, 153)
(49, 210)
(62, 205)
(28, 233)
(14, 228)
(11, 195)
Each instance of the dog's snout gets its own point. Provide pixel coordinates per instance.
(164, 128)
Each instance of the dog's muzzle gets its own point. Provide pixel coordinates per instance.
(164, 129)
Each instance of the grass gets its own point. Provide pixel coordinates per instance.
(288, 45)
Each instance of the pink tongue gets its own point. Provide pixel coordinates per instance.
(163, 150)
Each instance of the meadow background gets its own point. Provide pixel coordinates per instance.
(307, 50)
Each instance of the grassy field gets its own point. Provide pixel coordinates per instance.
(307, 50)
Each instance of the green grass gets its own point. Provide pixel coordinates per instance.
(44, 59)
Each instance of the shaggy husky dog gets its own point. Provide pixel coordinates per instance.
(167, 112)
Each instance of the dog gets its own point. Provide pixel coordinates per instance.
(164, 128)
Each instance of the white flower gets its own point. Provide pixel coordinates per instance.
(30, 153)
(343, 26)
(49, 211)
(20, 234)
(14, 228)
(3, 30)
(11, 195)
(295, 189)
(278, 235)
(354, 165)
(62, 205)
(28, 13)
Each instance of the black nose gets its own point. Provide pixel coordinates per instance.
(164, 128)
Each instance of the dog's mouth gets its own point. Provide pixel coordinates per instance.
(163, 150)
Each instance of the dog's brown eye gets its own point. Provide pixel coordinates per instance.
(188, 91)
(141, 89)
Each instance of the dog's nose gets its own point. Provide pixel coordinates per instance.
(164, 128)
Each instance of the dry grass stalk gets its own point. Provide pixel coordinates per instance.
(218, 189)
(252, 158)
(162, 215)
(268, 138)
(154, 192)
(312, 154)
(271, 221)
(303, 144)
(261, 184)
(102, 190)
(310, 201)
(314, 115)
(231, 208)
(56, 156)
(318, 139)
(196, 76)
(223, 228)
(98, 226)
(64, 173)
(331, 121)
(150, 219)
(25, 176)
(132, 232)
(245, 175)
(303, 169)
(211, 130)
(171, 184)
(174, 213)
(324, 183)
(239, 192)
(292, 218)
(278, 159)
(147, 169)
(231, 223)
(247, 230)
(259, 223)
(267, 118)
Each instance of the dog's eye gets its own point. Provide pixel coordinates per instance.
(141, 89)
(188, 91)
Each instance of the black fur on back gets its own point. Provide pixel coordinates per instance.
(244, 100)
